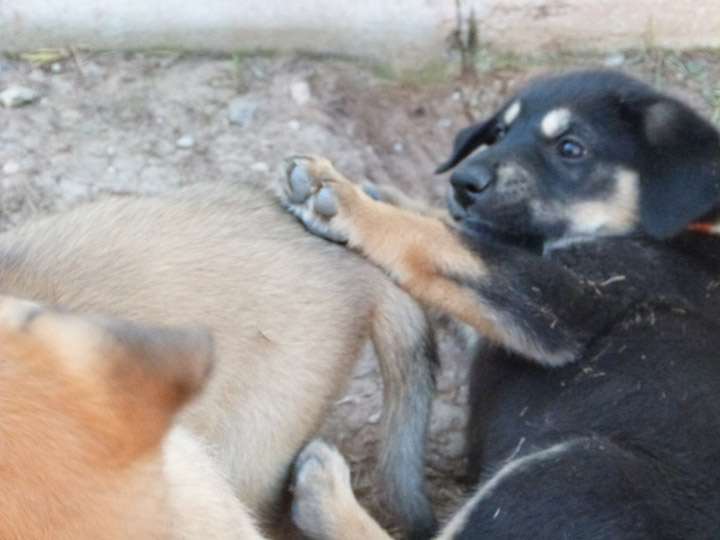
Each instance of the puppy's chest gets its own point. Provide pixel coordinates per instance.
(624, 271)
(627, 272)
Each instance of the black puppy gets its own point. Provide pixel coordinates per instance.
(585, 251)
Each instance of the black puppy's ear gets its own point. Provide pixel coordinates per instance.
(469, 139)
(681, 178)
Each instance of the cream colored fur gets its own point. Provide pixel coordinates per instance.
(290, 314)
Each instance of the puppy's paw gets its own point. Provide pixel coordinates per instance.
(322, 490)
(311, 189)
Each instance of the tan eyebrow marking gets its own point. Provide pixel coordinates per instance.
(555, 122)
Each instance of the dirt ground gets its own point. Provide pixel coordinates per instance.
(124, 124)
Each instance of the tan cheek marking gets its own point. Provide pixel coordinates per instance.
(555, 122)
(511, 113)
(615, 215)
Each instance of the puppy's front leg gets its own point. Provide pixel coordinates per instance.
(324, 505)
(503, 293)
(422, 254)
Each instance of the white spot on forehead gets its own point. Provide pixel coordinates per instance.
(555, 122)
(511, 113)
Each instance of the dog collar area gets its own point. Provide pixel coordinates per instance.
(704, 227)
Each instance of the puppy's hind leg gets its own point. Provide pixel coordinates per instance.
(405, 346)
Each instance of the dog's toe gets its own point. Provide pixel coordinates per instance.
(326, 203)
(308, 188)
(299, 184)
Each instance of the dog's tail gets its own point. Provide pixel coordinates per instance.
(405, 346)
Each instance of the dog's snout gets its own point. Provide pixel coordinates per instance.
(468, 184)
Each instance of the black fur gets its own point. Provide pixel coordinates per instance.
(619, 121)
(621, 440)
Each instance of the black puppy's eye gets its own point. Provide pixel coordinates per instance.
(497, 133)
(570, 148)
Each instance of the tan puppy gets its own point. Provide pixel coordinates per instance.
(290, 314)
(84, 408)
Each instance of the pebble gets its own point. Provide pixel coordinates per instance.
(10, 167)
(15, 96)
(300, 92)
(186, 141)
(242, 110)
(446, 417)
(454, 445)
(260, 166)
(615, 60)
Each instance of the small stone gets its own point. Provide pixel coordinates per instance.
(294, 125)
(10, 167)
(15, 96)
(242, 110)
(300, 92)
(398, 147)
(260, 167)
(56, 67)
(186, 141)
(454, 445)
(615, 60)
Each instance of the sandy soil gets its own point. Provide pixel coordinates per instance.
(144, 123)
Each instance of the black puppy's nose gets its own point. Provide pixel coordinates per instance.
(469, 183)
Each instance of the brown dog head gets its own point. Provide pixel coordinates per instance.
(84, 405)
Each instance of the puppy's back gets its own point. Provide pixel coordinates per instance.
(290, 312)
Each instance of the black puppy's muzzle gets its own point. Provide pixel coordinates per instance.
(468, 184)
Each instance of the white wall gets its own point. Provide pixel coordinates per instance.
(399, 31)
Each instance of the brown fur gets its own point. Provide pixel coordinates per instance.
(290, 314)
(423, 254)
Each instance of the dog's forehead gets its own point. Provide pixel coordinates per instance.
(552, 121)
(578, 90)
(553, 105)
